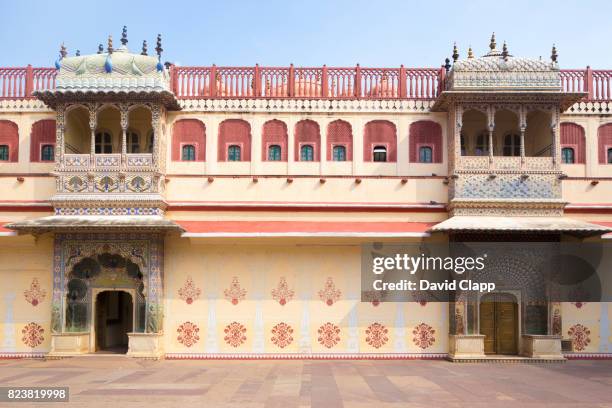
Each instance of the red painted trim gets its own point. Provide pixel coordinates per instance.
(296, 176)
(26, 208)
(304, 356)
(302, 226)
(305, 207)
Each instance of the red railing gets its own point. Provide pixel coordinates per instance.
(303, 82)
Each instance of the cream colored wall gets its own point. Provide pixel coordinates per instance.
(592, 320)
(24, 259)
(306, 267)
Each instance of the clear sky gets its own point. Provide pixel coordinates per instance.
(380, 33)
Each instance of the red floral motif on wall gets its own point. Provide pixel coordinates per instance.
(424, 335)
(282, 294)
(188, 334)
(235, 334)
(372, 296)
(579, 304)
(35, 294)
(189, 292)
(32, 334)
(329, 335)
(329, 294)
(282, 335)
(234, 293)
(376, 335)
(580, 336)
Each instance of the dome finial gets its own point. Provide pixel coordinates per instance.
(63, 51)
(158, 47)
(78, 53)
(554, 54)
(144, 48)
(455, 53)
(124, 39)
(100, 48)
(470, 52)
(447, 65)
(492, 44)
(110, 44)
(505, 52)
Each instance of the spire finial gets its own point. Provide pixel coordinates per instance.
(124, 39)
(554, 54)
(100, 48)
(455, 53)
(470, 52)
(144, 48)
(447, 65)
(63, 51)
(505, 52)
(110, 44)
(492, 44)
(78, 53)
(158, 47)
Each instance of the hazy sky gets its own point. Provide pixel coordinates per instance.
(382, 33)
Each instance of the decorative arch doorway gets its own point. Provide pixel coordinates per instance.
(499, 318)
(113, 319)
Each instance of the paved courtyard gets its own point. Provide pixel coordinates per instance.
(109, 381)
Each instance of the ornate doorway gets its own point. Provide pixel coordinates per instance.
(499, 323)
(114, 319)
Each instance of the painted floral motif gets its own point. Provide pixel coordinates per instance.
(578, 304)
(580, 336)
(424, 335)
(376, 335)
(329, 335)
(422, 302)
(235, 334)
(188, 334)
(35, 294)
(189, 292)
(372, 296)
(281, 335)
(32, 334)
(329, 294)
(282, 294)
(234, 293)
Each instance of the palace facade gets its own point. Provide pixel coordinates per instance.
(219, 212)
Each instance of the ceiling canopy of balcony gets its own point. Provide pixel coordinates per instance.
(111, 74)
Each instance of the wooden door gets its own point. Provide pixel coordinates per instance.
(498, 322)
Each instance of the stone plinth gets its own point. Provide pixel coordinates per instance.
(542, 346)
(466, 346)
(69, 344)
(145, 345)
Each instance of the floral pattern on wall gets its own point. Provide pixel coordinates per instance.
(329, 294)
(372, 296)
(376, 335)
(329, 335)
(235, 334)
(282, 294)
(424, 336)
(234, 293)
(282, 335)
(189, 292)
(35, 294)
(188, 334)
(580, 336)
(32, 334)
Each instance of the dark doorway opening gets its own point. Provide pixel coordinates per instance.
(499, 324)
(114, 320)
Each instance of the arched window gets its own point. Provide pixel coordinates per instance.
(482, 145)
(306, 153)
(133, 142)
(379, 154)
(572, 136)
(610, 156)
(188, 153)
(47, 152)
(186, 132)
(4, 152)
(512, 145)
(103, 142)
(425, 154)
(233, 153)
(339, 153)
(567, 155)
(425, 133)
(274, 153)
(380, 134)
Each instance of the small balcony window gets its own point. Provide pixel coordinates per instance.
(567, 155)
(233, 153)
(307, 153)
(103, 143)
(379, 154)
(188, 153)
(4, 153)
(609, 156)
(425, 154)
(133, 142)
(274, 153)
(339, 153)
(482, 145)
(47, 152)
(512, 145)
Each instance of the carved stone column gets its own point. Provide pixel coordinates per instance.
(554, 121)
(457, 139)
(60, 127)
(491, 120)
(124, 111)
(155, 124)
(523, 127)
(93, 122)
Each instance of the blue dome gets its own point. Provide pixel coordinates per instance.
(160, 66)
(57, 64)
(108, 65)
